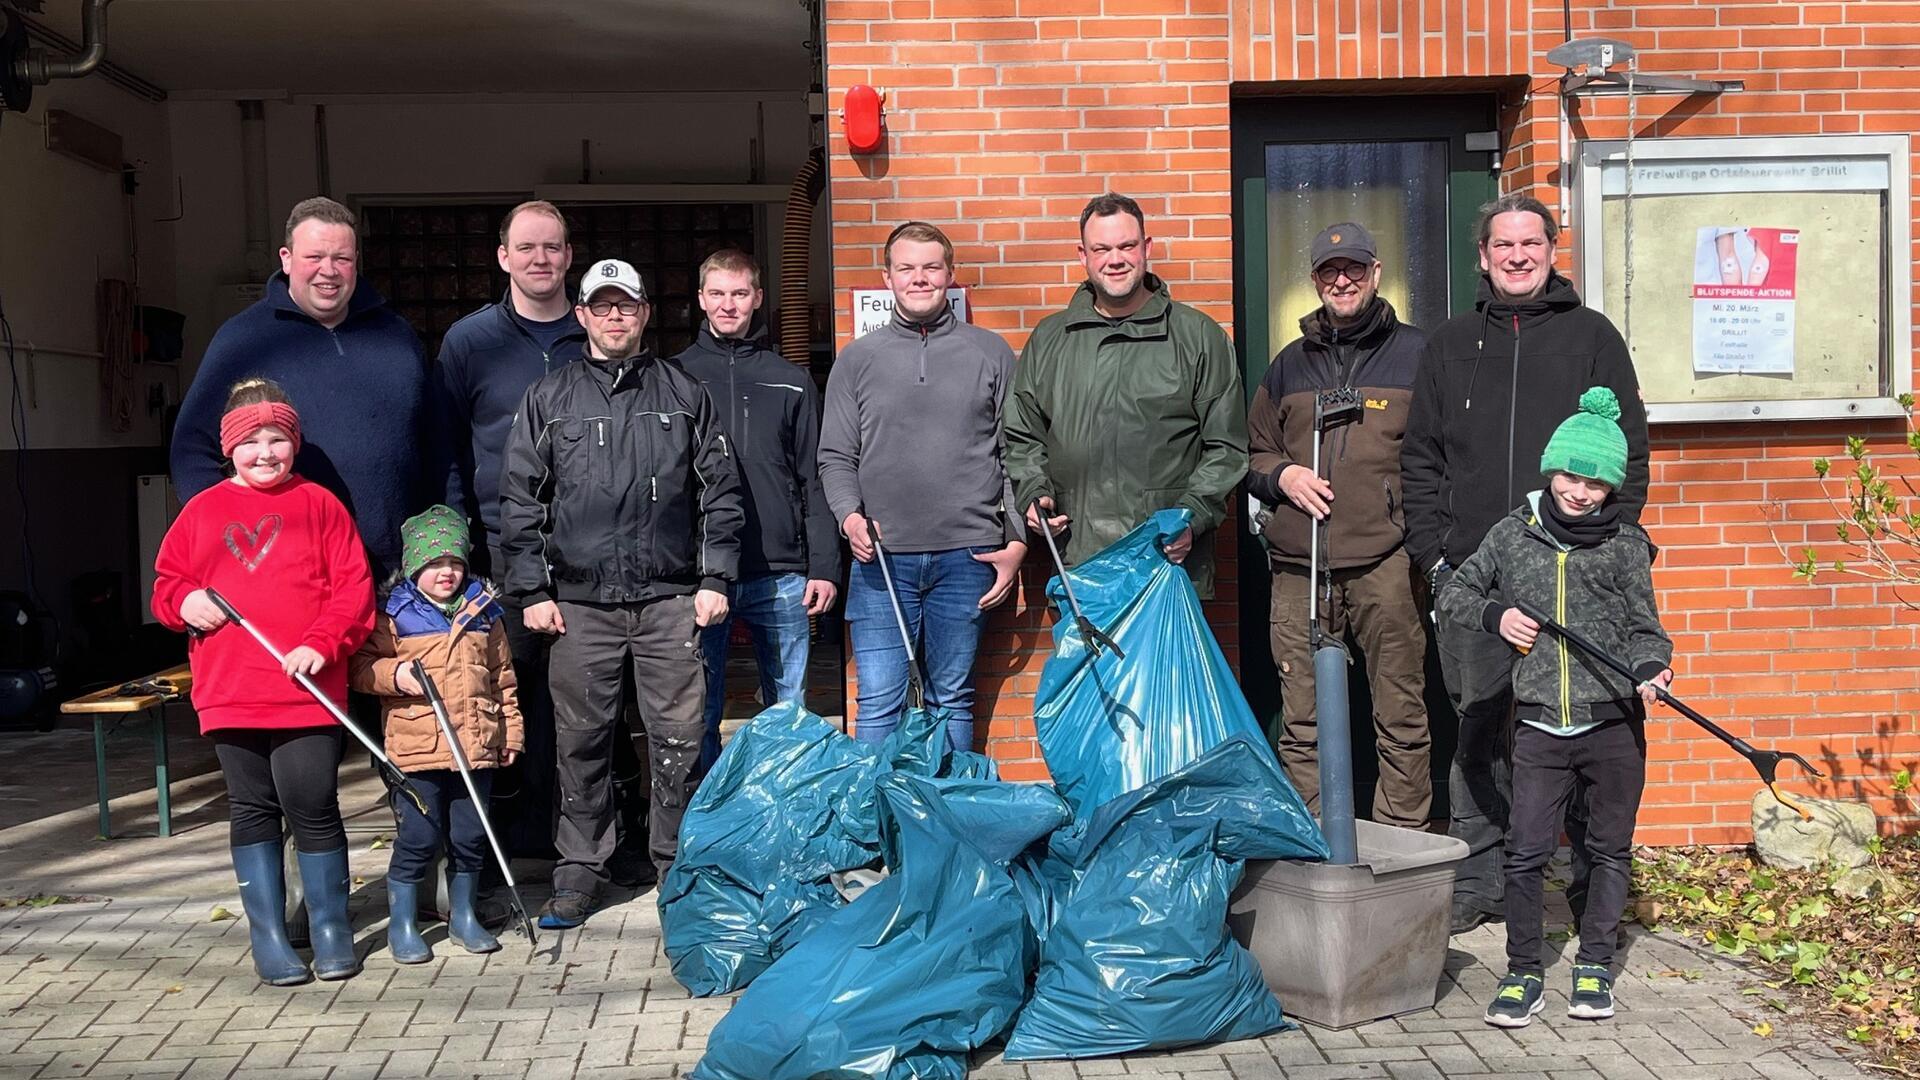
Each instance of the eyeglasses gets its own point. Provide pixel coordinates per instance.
(1333, 272)
(604, 308)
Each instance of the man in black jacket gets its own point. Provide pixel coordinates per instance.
(487, 361)
(1352, 341)
(620, 520)
(1492, 387)
(790, 548)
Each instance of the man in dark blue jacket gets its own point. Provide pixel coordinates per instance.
(790, 548)
(487, 361)
(351, 365)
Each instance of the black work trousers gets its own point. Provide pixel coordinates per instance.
(659, 640)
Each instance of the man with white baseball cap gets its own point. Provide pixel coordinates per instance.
(620, 516)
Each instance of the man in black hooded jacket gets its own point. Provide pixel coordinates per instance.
(1493, 385)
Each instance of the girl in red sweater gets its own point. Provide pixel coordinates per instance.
(284, 551)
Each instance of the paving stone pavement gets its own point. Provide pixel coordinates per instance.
(144, 985)
(152, 988)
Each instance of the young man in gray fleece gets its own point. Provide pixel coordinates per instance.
(911, 442)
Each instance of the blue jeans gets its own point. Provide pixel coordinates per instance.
(940, 594)
(452, 818)
(774, 607)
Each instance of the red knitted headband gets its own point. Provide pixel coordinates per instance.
(244, 420)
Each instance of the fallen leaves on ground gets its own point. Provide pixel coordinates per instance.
(1856, 960)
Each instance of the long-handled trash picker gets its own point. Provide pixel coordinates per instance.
(916, 680)
(1764, 762)
(432, 694)
(394, 776)
(1331, 708)
(1096, 638)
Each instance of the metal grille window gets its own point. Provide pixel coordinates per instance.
(436, 263)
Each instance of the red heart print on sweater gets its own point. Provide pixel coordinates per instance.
(250, 546)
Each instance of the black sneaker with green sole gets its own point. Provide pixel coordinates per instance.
(1518, 1000)
(1592, 997)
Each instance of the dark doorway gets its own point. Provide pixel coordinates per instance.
(1401, 166)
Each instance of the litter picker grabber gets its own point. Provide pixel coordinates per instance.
(432, 694)
(1764, 762)
(1096, 638)
(916, 681)
(1331, 408)
(394, 776)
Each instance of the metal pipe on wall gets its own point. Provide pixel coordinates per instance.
(253, 185)
(322, 159)
(37, 69)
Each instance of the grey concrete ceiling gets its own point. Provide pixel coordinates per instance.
(454, 46)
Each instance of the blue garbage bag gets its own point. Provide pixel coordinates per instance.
(1135, 952)
(1109, 725)
(790, 802)
(925, 966)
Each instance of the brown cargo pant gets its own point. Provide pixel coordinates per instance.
(1374, 605)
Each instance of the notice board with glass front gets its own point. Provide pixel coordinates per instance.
(1770, 277)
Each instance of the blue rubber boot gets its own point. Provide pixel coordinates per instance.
(263, 896)
(326, 880)
(463, 923)
(403, 925)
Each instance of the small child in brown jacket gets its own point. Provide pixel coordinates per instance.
(435, 614)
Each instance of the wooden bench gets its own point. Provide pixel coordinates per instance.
(111, 707)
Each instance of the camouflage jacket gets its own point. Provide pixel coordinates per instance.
(1604, 593)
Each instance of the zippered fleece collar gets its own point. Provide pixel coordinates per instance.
(510, 316)
(365, 298)
(941, 323)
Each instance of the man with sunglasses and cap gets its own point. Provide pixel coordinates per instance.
(620, 516)
(1352, 341)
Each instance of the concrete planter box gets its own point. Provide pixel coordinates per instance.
(1346, 945)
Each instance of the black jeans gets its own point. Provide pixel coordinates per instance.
(294, 772)
(451, 816)
(1608, 764)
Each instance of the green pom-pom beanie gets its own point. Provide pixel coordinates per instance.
(1590, 443)
(431, 534)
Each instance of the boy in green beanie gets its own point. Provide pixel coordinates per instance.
(453, 626)
(1580, 725)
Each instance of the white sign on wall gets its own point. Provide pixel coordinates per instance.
(873, 308)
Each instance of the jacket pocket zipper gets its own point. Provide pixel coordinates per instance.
(1560, 612)
(600, 427)
(653, 488)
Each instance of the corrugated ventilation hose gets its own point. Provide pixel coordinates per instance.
(796, 249)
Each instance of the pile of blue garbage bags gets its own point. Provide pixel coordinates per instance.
(1080, 918)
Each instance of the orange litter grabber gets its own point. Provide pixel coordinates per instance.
(1764, 762)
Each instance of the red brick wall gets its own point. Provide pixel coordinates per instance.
(1004, 116)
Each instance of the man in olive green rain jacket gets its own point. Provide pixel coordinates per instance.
(1126, 403)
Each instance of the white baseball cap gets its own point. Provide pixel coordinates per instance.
(612, 274)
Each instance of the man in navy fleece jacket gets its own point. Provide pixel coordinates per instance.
(354, 369)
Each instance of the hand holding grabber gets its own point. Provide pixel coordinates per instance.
(1764, 762)
(1096, 638)
(394, 776)
(916, 681)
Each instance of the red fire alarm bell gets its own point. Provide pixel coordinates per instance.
(862, 117)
